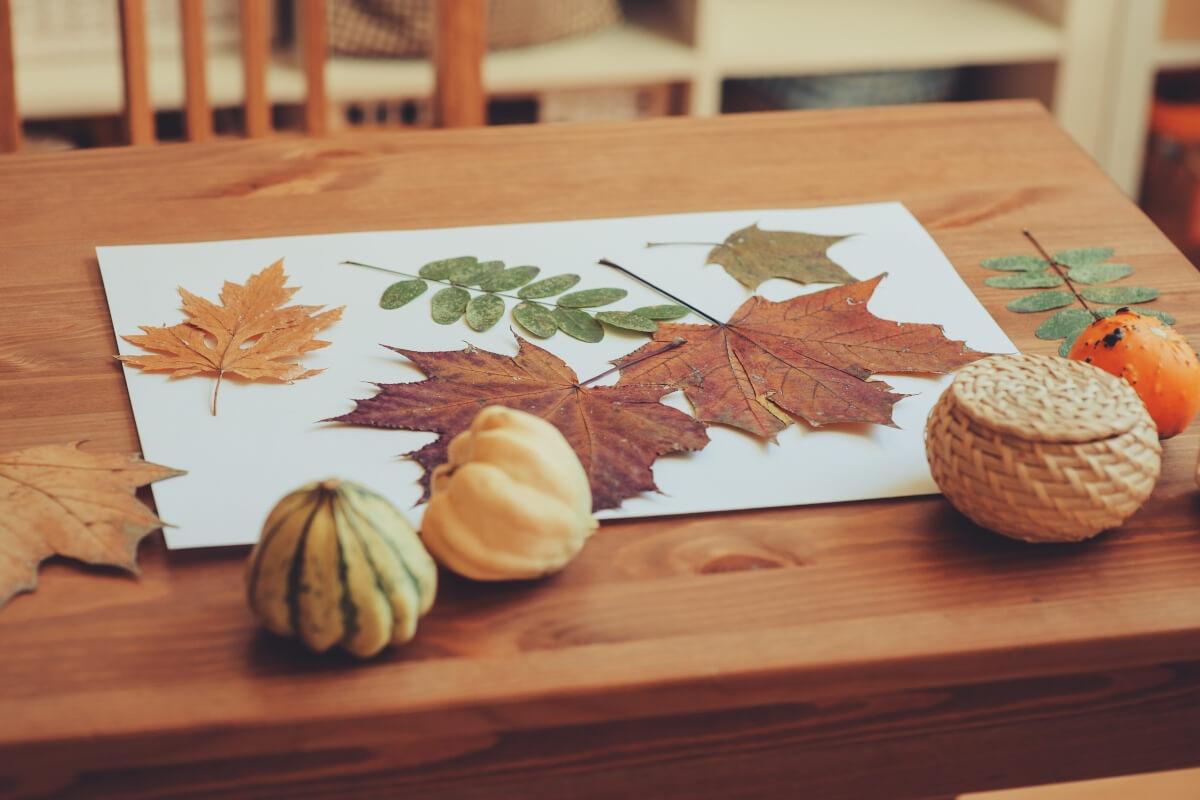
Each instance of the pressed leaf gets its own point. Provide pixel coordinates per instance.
(1014, 263)
(665, 311)
(1098, 273)
(484, 311)
(1064, 349)
(548, 287)
(440, 270)
(402, 293)
(537, 319)
(627, 320)
(1063, 323)
(251, 334)
(617, 432)
(60, 500)
(1119, 295)
(1026, 280)
(1042, 301)
(1083, 256)
(589, 298)
(470, 274)
(809, 357)
(1147, 312)
(448, 305)
(508, 279)
(578, 324)
(752, 255)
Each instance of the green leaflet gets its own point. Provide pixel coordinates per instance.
(578, 324)
(1098, 273)
(591, 297)
(1083, 256)
(1064, 349)
(548, 287)
(1064, 323)
(440, 270)
(484, 311)
(627, 320)
(1145, 312)
(536, 319)
(1118, 295)
(472, 273)
(1014, 263)
(667, 311)
(1042, 301)
(508, 279)
(401, 293)
(448, 305)
(1033, 279)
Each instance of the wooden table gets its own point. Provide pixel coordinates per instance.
(881, 650)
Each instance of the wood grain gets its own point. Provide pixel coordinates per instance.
(10, 118)
(838, 648)
(256, 43)
(139, 116)
(197, 111)
(460, 43)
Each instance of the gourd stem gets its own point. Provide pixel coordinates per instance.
(1058, 267)
(671, 345)
(446, 283)
(662, 291)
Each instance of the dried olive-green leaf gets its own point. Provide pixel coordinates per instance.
(1098, 273)
(548, 287)
(440, 270)
(1064, 323)
(578, 324)
(1083, 256)
(535, 318)
(447, 305)
(402, 292)
(1118, 295)
(1014, 263)
(1041, 301)
(667, 311)
(591, 297)
(1033, 279)
(472, 274)
(484, 311)
(627, 320)
(506, 280)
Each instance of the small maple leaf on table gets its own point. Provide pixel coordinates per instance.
(808, 357)
(60, 500)
(617, 432)
(251, 334)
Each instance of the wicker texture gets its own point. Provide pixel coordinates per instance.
(1041, 448)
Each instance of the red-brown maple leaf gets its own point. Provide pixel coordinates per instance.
(808, 357)
(617, 432)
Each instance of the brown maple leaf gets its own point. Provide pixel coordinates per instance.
(250, 334)
(808, 357)
(60, 500)
(617, 432)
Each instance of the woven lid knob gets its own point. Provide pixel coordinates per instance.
(1046, 399)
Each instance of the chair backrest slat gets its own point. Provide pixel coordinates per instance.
(460, 43)
(196, 108)
(139, 116)
(10, 123)
(256, 43)
(314, 43)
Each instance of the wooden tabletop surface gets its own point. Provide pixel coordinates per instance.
(877, 649)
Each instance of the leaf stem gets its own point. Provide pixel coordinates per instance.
(216, 389)
(447, 283)
(671, 345)
(661, 291)
(697, 244)
(1058, 267)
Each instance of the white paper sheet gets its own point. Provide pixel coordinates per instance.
(267, 439)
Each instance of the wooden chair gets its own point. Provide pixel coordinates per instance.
(458, 56)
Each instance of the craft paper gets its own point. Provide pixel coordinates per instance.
(268, 438)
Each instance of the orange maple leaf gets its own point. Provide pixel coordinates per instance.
(250, 334)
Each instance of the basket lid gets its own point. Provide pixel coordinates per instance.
(1046, 398)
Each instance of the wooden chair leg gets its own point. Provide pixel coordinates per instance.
(197, 111)
(460, 43)
(139, 117)
(10, 121)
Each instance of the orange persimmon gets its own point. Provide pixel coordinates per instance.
(1153, 358)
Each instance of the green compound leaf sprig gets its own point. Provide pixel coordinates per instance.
(474, 291)
(1066, 278)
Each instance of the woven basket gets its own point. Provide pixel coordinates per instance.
(1042, 449)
